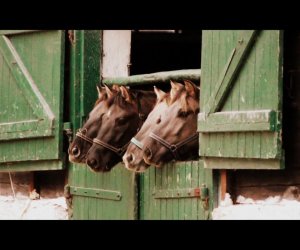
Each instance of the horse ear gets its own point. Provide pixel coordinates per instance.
(159, 93)
(108, 91)
(175, 85)
(191, 88)
(116, 87)
(100, 91)
(175, 88)
(125, 94)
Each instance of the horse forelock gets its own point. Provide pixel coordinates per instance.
(189, 103)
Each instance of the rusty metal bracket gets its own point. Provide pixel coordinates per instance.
(204, 194)
(96, 193)
(176, 193)
(201, 193)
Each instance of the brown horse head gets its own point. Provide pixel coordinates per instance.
(84, 137)
(176, 137)
(133, 158)
(125, 114)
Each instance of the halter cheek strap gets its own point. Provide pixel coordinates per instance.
(118, 151)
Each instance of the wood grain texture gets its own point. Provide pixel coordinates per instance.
(257, 86)
(32, 87)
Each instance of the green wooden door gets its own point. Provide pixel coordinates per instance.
(177, 191)
(241, 100)
(31, 100)
(94, 196)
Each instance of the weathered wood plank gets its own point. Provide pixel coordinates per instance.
(182, 180)
(32, 49)
(260, 120)
(230, 70)
(14, 32)
(259, 78)
(35, 98)
(233, 163)
(206, 61)
(188, 201)
(160, 77)
(215, 72)
(31, 166)
(196, 209)
(174, 185)
(169, 187)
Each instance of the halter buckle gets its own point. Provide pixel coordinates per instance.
(173, 148)
(142, 116)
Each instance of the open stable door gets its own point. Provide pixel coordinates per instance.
(241, 99)
(93, 195)
(31, 100)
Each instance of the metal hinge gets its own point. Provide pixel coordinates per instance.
(96, 193)
(197, 192)
(204, 195)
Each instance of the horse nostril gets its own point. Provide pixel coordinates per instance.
(129, 158)
(148, 153)
(92, 163)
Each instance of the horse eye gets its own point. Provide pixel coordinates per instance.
(182, 113)
(121, 121)
(158, 121)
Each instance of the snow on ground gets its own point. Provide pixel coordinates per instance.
(23, 208)
(272, 208)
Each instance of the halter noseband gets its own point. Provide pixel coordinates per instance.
(173, 147)
(83, 136)
(118, 151)
(137, 143)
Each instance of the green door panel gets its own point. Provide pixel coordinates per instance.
(31, 99)
(241, 99)
(116, 191)
(95, 196)
(171, 192)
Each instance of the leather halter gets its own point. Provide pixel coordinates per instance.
(118, 151)
(83, 136)
(173, 147)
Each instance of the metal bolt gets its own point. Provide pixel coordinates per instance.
(241, 41)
